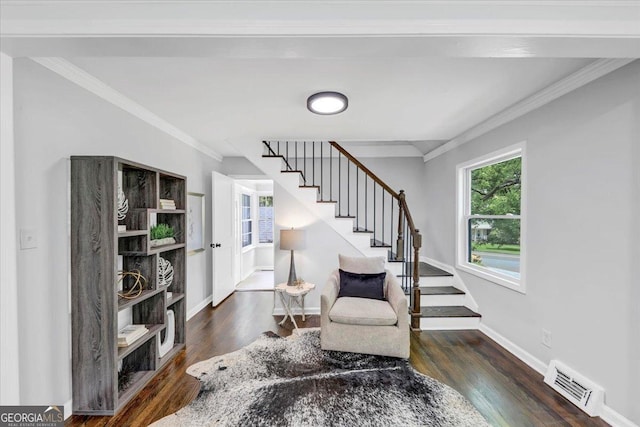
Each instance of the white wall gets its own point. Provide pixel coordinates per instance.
(582, 250)
(318, 260)
(55, 119)
(9, 359)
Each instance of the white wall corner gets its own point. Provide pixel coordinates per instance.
(195, 310)
(9, 360)
(87, 81)
(583, 76)
(68, 409)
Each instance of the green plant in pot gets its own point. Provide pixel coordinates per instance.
(162, 234)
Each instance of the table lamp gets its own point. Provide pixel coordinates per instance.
(292, 240)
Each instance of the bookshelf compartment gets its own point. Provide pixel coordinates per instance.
(139, 187)
(151, 310)
(172, 188)
(136, 370)
(174, 220)
(153, 330)
(146, 265)
(177, 259)
(132, 244)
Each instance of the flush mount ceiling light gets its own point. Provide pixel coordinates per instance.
(327, 103)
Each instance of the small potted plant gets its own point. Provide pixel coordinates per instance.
(162, 234)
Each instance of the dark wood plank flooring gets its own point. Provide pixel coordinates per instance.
(505, 390)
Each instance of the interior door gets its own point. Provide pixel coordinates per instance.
(222, 236)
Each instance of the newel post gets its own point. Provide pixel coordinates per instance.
(400, 242)
(415, 310)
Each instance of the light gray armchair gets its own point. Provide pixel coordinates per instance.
(363, 325)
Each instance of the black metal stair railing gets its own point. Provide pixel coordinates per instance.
(361, 195)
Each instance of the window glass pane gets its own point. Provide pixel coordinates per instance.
(265, 201)
(495, 244)
(495, 189)
(265, 219)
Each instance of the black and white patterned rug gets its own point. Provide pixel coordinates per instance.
(292, 382)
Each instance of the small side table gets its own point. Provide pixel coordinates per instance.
(293, 293)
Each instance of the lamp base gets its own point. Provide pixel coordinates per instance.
(292, 273)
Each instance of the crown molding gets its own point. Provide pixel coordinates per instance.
(524, 18)
(87, 81)
(587, 74)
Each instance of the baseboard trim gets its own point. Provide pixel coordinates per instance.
(608, 415)
(308, 311)
(614, 418)
(533, 362)
(195, 310)
(68, 409)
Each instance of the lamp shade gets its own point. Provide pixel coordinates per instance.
(292, 240)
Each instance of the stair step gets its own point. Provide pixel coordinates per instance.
(309, 186)
(427, 270)
(346, 216)
(361, 230)
(326, 201)
(292, 171)
(440, 290)
(375, 243)
(447, 311)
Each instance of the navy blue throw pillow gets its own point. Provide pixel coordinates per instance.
(362, 285)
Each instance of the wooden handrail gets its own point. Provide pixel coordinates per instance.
(403, 201)
(365, 169)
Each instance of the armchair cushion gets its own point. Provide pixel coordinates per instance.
(362, 285)
(361, 265)
(362, 311)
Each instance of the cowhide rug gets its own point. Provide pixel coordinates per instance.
(292, 382)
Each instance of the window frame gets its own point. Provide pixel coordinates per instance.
(463, 215)
(243, 220)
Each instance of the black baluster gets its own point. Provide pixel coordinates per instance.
(348, 187)
(339, 185)
(321, 173)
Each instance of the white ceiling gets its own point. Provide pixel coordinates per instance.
(417, 73)
(225, 101)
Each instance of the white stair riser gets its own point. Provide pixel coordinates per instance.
(436, 281)
(436, 300)
(449, 323)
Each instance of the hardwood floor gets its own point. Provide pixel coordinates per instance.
(505, 390)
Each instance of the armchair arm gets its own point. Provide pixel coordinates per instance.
(329, 295)
(396, 296)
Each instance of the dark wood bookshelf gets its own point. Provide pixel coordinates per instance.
(98, 250)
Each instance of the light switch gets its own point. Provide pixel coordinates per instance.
(28, 238)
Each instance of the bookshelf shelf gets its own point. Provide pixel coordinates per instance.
(153, 330)
(104, 376)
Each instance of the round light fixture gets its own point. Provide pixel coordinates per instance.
(326, 103)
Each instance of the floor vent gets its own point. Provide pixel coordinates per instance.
(583, 393)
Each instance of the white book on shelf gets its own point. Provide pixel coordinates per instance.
(130, 333)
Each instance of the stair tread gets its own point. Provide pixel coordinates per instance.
(291, 171)
(375, 243)
(448, 311)
(428, 270)
(361, 230)
(326, 201)
(440, 290)
(345, 216)
(308, 186)
(273, 155)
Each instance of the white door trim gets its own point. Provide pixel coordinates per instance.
(9, 365)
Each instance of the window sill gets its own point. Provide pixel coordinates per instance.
(483, 273)
(248, 248)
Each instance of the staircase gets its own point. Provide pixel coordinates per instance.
(375, 219)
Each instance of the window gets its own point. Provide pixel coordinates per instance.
(490, 237)
(246, 222)
(265, 219)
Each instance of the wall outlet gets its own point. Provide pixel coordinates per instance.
(546, 338)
